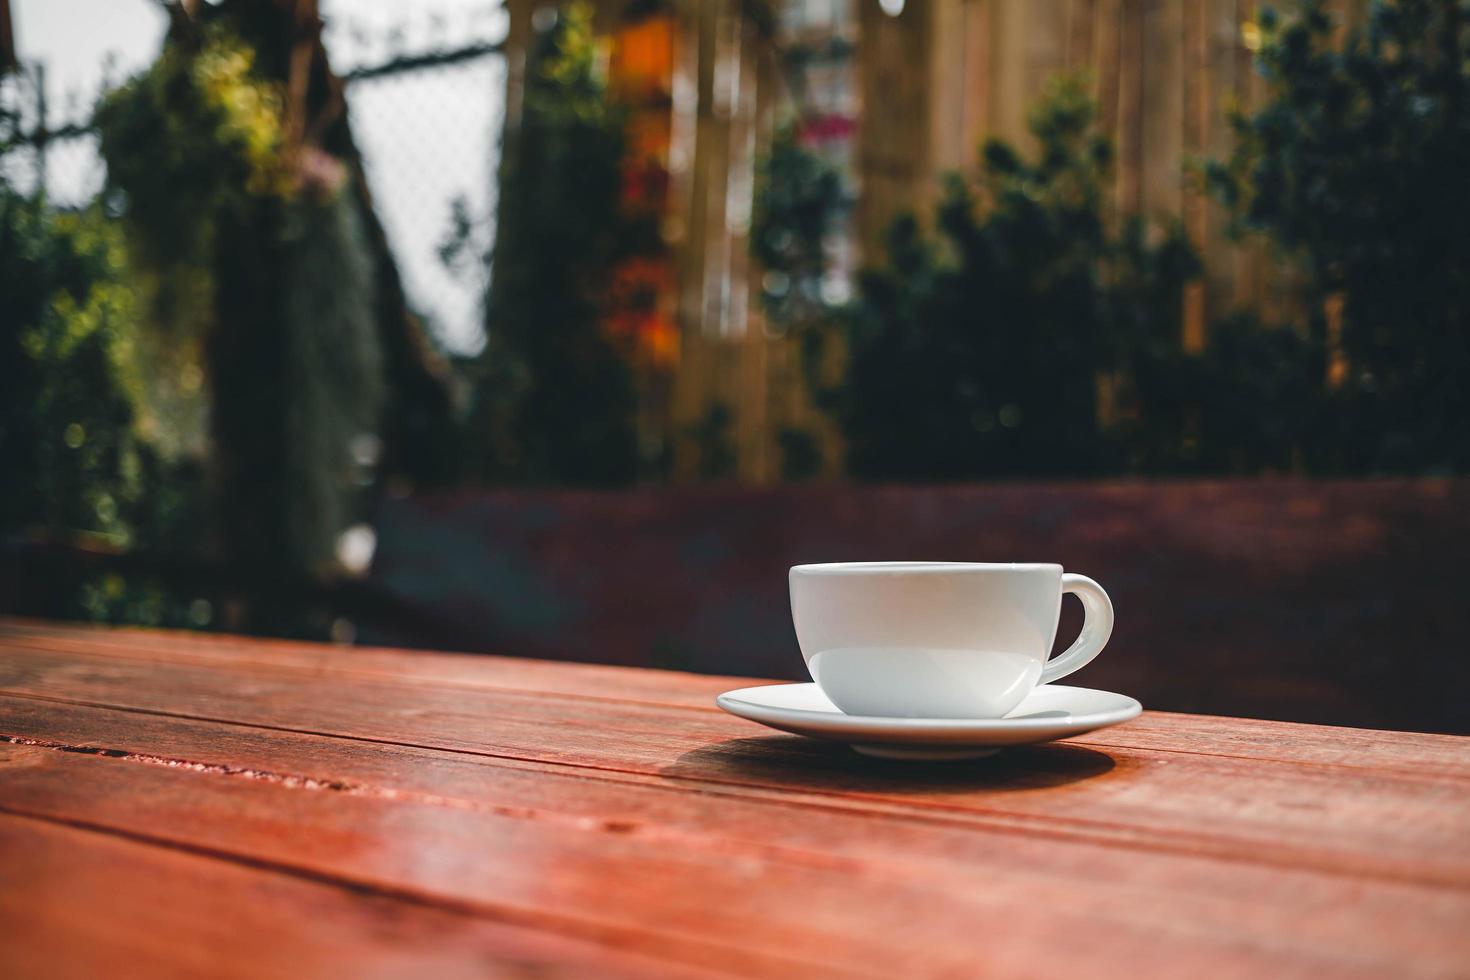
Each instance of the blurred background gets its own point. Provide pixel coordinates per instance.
(563, 329)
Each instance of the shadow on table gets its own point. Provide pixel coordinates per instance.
(794, 762)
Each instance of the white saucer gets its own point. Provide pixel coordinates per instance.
(1050, 711)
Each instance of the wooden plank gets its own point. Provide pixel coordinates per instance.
(696, 54)
(1107, 44)
(1081, 23)
(1248, 91)
(1387, 823)
(1274, 816)
(1007, 57)
(1238, 737)
(1219, 251)
(755, 909)
(1131, 94)
(469, 670)
(605, 887)
(749, 135)
(78, 903)
(1195, 127)
(894, 138)
(1044, 48)
(1162, 108)
(975, 88)
(1321, 745)
(950, 149)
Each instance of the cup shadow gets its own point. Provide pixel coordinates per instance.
(796, 762)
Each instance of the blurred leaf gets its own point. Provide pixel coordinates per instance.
(1355, 168)
(555, 397)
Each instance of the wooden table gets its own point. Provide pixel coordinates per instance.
(178, 804)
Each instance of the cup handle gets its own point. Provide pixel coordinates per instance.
(1097, 626)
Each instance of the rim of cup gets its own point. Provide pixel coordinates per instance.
(861, 567)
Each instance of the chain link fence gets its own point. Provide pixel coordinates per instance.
(45, 153)
(429, 133)
(428, 127)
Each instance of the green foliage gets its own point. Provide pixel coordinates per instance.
(73, 459)
(1262, 404)
(334, 375)
(79, 427)
(555, 396)
(714, 443)
(979, 353)
(138, 600)
(196, 133)
(79, 470)
(798, 197)
(195, 137)
(1356, 167)
(297, 382)
(1155, 386)
(801, 457)
(262, 270)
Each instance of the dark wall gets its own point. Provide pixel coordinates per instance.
(1331, 602)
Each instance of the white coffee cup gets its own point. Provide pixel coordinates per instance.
(918, 639)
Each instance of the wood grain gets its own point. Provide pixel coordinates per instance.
(586, 680)
(754, 908)
(76, 903)
(1279, 818)
(1239, 737)
(537, 814)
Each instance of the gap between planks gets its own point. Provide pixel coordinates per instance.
(347, 787)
